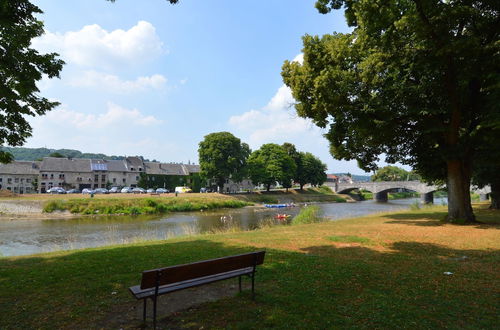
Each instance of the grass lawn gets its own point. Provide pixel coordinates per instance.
(384, 271)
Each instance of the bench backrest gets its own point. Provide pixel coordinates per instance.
(198, 269)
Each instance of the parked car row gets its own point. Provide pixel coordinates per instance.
(60, 190)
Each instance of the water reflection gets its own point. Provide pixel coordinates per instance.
(22, 237)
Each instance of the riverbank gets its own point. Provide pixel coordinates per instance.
(65, 206)
(404, 269)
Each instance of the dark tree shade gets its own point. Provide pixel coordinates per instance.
(20, 68)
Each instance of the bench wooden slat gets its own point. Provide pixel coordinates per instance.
(199, 269)
(145, 293)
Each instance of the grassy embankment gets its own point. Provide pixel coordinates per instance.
(384, 271)
(146, 204)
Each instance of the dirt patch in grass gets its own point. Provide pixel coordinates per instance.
(129, 316)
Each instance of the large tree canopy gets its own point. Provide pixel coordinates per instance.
(271, 164)
(415, 80)
(20, 68)
(222, 156)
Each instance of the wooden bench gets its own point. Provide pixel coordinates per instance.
(157, 282)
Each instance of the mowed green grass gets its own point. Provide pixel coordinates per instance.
(383, 271)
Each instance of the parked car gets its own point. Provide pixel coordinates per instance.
(101, 191)
(126, 190)
(56, 190)
(162, 191)
(150, 191)
(114, 190)
(138, 190)
(203, 190)
(73, 191)
(87, 191)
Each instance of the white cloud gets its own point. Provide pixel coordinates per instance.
(93, 46)
(277, 122)
(115, 131)
(112, 83)
(64, 120)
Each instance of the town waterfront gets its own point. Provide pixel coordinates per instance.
(22, 237)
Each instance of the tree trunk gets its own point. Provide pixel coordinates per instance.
(268, 187)
(495, 195)
(301, 187)
(459, 203)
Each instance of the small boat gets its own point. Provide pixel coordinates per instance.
(278, 206)
(282, 216)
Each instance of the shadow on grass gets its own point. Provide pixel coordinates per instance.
(320, 287)
(486, 219)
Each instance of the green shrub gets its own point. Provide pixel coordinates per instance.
(308, 214)
(55, 205)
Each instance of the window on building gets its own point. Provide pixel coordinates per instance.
(132, 169)
(96, 177)
(137, 178)
(0, 179)
(22, 180)
(52, 176)
(27, 180)
(61, 176)
(9, 180)
(114, 180)
(15, 189)
(123, 180)
(44, 176)
(140, 169)
(103, 177)
(16, 180)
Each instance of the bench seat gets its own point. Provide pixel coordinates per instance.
(150, 292)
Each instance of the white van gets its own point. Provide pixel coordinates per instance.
(181, 190)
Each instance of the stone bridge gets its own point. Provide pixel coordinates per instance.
(381, 188)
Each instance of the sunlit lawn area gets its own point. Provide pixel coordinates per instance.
(384, 271)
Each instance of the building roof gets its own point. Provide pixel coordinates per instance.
(54, 164)
(116, 165)
(191, 168)
(20, 167)
(134, 162)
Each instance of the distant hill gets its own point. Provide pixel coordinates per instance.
(21, 153)
(356, 178)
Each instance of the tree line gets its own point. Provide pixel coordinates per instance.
(223, 156)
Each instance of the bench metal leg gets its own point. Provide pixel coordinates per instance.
(239, 282)
(154, 312)
(144, 310)
(253, 286)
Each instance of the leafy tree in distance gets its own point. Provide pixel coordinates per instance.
(271, 164)
(223, 156)
(57, 155)
(415, 80)
(310, 170)
(394, 173)
(20, 68)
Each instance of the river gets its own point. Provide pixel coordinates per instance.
(22, 237)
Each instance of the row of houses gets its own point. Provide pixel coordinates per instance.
(78, 173)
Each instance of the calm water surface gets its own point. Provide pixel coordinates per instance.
(21, 237)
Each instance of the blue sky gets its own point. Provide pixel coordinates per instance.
(149, 78)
